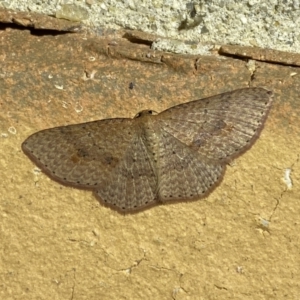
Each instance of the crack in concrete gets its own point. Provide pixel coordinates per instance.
(264, 223)
(74, 284)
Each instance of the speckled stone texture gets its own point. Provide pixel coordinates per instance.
(241, 242)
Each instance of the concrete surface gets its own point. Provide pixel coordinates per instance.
(242, 242)
(194, 26)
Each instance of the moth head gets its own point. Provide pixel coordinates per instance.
(146, 112)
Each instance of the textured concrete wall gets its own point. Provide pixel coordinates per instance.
(241, 242)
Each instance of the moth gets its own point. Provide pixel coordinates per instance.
(178, 154)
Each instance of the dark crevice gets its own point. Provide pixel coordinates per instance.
(246, 58)
(34, 31)
(136, 40)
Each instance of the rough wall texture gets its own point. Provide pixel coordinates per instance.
(242, 242)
